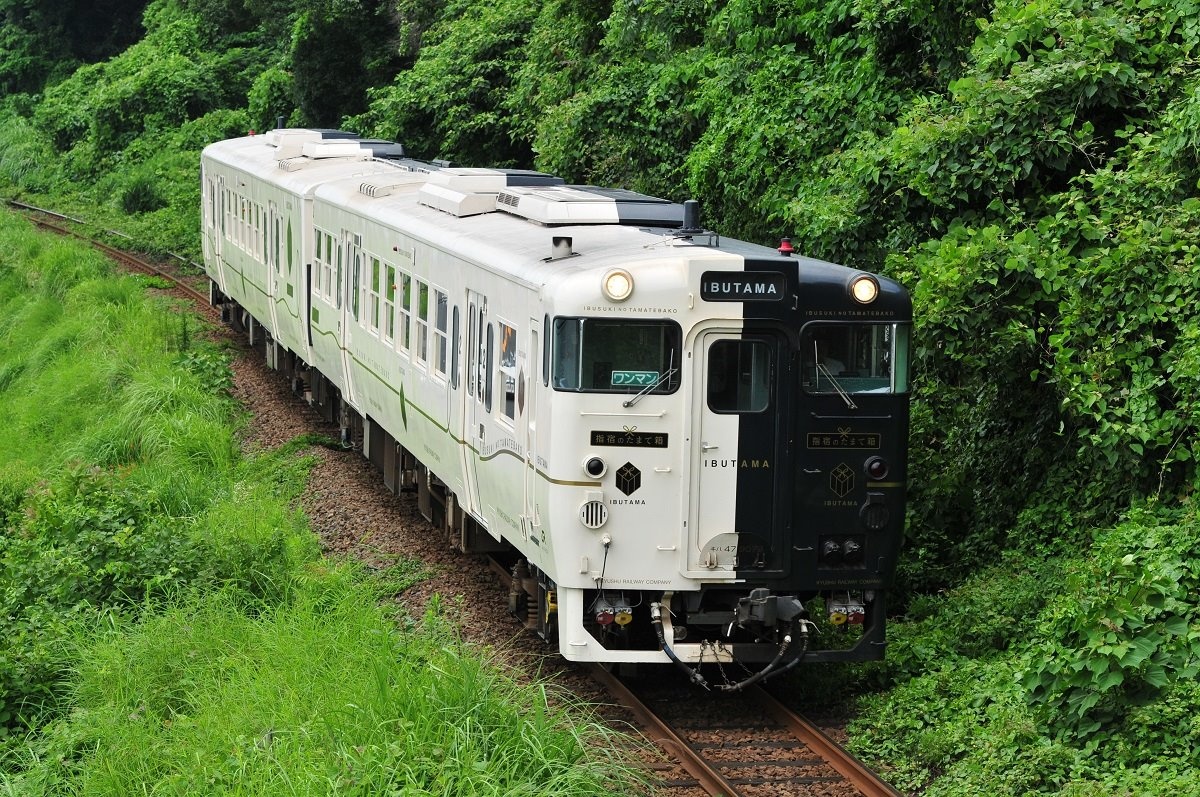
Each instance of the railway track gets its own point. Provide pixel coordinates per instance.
(749, 745)
(59, 223)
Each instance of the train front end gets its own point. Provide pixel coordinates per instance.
(741, 466)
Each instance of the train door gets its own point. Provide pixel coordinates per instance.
(478, 396)
(274, 267)
(217, 232)
(739, 448)
(527, 391)
(351, 245)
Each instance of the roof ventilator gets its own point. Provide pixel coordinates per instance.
(561, 247)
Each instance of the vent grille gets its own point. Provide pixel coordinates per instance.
(593, 514)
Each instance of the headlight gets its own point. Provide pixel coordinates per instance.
(864, 289)
(618, 285)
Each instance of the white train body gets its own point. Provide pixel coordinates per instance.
(467, 327)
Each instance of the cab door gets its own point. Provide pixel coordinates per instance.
(739, 453)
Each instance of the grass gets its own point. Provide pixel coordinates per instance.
(167, 624)
(322, 695)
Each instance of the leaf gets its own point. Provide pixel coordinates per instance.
(1156, 676)
(1177, 626)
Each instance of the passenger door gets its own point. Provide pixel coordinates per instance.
(739, 448)
(478, 401)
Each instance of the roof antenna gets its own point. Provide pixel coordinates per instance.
(691, 218)
(691, 228)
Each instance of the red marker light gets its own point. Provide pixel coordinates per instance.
(785, 247)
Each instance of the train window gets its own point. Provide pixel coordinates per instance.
(405, 311)
(454, 348)
(440, 321)
(373, 294)
(339, 276)
(546, 354)
(389, 303)
(739, 376)
(602, 355)
(486, 388)
(854, 358)
(472, 350)
(422, 321)
(508, 369)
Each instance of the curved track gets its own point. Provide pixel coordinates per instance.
(57, 222)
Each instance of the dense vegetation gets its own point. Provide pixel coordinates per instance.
(166, 621)
(1029, 168)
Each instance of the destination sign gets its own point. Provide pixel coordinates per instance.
(630, 438)
(742, 286)
(843, 438)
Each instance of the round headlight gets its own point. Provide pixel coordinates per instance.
(864, 289)
(618, 284)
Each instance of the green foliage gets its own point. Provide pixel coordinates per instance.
(119, 473)
(337, 53)
(451, 103)
(41, 42)
(1129, 630)
(271, 96)
(1028, 169)
(141, 196)
(323, 694)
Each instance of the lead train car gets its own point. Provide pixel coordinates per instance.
(690, 444)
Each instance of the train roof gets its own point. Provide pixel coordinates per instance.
(528, 224)
(299, 160)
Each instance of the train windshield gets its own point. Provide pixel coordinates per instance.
(604, 355)
(854, 358)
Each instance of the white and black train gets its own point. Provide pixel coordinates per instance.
(689, 445)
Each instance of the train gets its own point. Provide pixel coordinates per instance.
(686, 449)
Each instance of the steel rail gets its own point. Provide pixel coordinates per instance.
(118, 255)
(708, 778)
(849, 767)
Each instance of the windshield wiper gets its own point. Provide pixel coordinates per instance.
(822, 370)
(629, 402)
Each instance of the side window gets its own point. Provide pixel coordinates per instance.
(389, 303)
(318, 277)
(441, 321)
(340, 288)
(373, 294)
(489, 365)
(422, 321)
(508, 369)
(739, 376)
(454, 323)
(355, 282)
(276, 243)
(472, 350)
(328, 286)
(405, 311)
(546, 351)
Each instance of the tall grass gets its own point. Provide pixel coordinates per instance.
(167, 625)
(322, 696)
